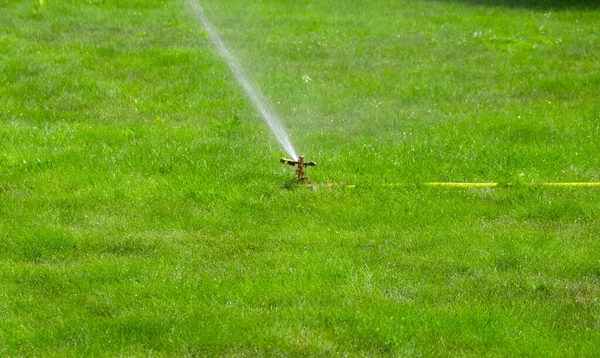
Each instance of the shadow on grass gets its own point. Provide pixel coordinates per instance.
(536, 4)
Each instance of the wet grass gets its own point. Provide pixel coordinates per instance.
(142, 210)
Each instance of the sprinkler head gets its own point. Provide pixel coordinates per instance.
(300, 163)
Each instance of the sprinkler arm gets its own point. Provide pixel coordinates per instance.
(294, 162)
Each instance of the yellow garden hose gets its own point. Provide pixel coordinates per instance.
(469, 185)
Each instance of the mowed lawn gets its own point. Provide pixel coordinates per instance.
(143, 210)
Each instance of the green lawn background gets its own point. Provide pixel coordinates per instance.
(141, 202)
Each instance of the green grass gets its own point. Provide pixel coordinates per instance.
(142, 211)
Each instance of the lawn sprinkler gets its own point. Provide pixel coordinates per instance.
(300, 169)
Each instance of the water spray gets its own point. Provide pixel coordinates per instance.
(258, 99)
(301, 164)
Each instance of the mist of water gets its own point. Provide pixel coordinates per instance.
(252, 91)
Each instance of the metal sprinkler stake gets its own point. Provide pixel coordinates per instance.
(300, 169)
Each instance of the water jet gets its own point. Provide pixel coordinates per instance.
(258, 99)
